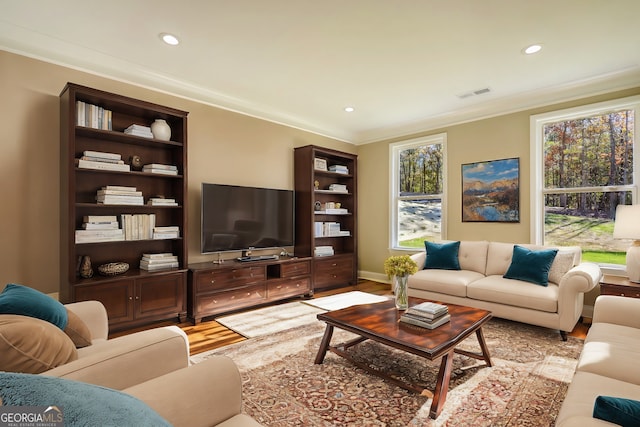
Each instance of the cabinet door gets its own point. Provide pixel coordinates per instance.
(160, 295)
(117, 297)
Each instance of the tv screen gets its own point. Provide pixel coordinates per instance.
(236, 218)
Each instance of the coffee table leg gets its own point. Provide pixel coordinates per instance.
(483, 347)
(324, 345)
(442, 385)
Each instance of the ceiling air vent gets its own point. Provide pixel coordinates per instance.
(474, 93)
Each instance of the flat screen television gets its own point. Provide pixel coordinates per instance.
(237, 218)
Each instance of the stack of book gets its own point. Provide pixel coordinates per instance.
(103, 161)
(93, 116)
(338, 188)
(339, 169)
(99, 228)
(139, 130)
(329, 229)
(138, 226)
(428, 315)
(160, 168)
(161, 201)
(156, 262)
(323, 251)
(119, 195)
(168, 232)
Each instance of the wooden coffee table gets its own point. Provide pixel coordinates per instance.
(380, 322)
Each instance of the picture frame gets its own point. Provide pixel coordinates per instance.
(491, 191)
(320, 164)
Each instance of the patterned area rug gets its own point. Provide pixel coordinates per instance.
(283, 387)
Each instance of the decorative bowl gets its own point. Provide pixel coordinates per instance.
(113, 268)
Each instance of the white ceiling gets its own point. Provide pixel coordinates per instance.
(402, 64)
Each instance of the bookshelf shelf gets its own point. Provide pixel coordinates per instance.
(138, 296)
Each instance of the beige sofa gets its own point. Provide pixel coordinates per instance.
(608, 363)
(480, 283)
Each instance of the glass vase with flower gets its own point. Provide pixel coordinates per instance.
(399, 268)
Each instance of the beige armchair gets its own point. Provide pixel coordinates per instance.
(124, 361)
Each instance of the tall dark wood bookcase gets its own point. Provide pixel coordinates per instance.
(137, 296)
(313, 194)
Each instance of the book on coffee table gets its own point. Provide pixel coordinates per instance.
(416, 321)
(429, 310)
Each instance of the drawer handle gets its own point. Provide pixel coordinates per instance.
(248, 294)
(334, 264)
(298, 284)
(334, 276)
(215, 301)
(279, 287)
(213, 281)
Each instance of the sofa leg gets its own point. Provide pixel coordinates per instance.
(563, 334)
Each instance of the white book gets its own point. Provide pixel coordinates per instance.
(427, 325)
(102, 154)
(86, 164)
(100, 226)
(119, 188)
(99, 218)
(160, 166)
(118, 193)
(158, 255)
(102, 159)
(139, 133)
(167, 228)
(160, 171)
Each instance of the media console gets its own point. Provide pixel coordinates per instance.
(214, 289)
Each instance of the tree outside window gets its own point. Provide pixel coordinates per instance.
(417, 191)
(586, 165)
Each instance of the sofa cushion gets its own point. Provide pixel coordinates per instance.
(610, 350)
(25, 301)
(531, 266)
(449, 282)
(79, 403)
(32, 345)
(617, 410)
(562, 263)
(518, 293)
(442, 256)
(77, 330)
(472, 256)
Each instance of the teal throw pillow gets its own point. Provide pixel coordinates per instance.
(76, 403)
(616, 410)
(442, 256)
(531, 266)
(25, 301)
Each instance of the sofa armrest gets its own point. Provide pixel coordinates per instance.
(94, 315)
(582, 278)
(205, 394)
(617, 310)
(420, 259)
(128, 360)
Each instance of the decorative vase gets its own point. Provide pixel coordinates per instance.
(86, 271)
(400, 290)
(161, 130)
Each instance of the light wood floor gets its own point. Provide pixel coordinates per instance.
(210, 334)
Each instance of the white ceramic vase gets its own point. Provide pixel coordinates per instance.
(161, 130)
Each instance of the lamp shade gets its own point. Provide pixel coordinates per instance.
(627, 224)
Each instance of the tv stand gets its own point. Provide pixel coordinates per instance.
(214, 289)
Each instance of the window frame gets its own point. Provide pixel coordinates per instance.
(394, 195)
(537, 123)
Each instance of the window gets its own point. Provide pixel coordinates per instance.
(417, 169)
(583, 167)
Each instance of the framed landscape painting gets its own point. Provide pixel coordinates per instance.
(491, 191)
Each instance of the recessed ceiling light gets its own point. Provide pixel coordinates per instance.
(169, 39)
(534, 48)
(349, 109)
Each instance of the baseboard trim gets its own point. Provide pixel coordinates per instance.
(373, 276)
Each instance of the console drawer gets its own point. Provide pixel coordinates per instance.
(295, 268)
(228, 278)
(227, 300)
(288, 287)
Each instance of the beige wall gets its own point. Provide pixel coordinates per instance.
(223, 147)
